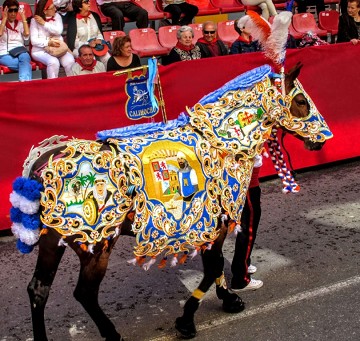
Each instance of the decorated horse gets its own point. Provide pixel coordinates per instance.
(176, 187)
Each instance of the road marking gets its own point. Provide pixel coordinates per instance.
(265, 308)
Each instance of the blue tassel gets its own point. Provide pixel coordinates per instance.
(18, 184)
(24, 248)
(31, 222)
(16, 215)
(32, 190)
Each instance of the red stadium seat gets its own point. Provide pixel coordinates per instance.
(111, 35)
(329, 21)
(197, 28)
(226, 32)
(153, 12)
(104, 19)
(228, 6)
(94, 8)
(167, 36)
(205, 7)
(145, 43)
(305, 22)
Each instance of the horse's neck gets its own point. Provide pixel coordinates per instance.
(241, 120)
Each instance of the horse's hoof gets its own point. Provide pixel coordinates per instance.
(186, 329)
(233, 305)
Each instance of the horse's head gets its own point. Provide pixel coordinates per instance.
(305, 121)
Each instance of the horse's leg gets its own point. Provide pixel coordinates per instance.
(50, 254)
(213, 262)
(92, 272)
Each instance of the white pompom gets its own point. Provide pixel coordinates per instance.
(148, 264)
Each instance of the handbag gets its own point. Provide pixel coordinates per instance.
(57, 51)
(18, 51)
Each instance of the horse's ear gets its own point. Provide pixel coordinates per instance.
(292, 75)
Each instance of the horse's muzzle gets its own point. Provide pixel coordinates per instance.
(313, 146)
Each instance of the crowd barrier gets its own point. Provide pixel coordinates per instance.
(82, 105)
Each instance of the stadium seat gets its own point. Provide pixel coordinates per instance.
(111, 35)
(197, 28)
(305, 22)
(297, 35)
(106, 21)
(94, 8)
(205, 7)
(153, 12)
(145, 43)
(329, 21)
(228, 6)
(167, 36)
(226, 32)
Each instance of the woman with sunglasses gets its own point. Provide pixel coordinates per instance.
(13, 33)
(184, 48)
(45, 31)
(210, 45)
(84, 27)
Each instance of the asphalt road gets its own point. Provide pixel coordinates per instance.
(307, 254)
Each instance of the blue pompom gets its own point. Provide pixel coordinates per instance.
(24, 248)
(31, 221)
(16, 215)
(32, 190)
(18, 184)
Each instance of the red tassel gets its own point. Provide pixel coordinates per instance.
(83, 247)
(182, 260)
(162, 263)
(140, 260)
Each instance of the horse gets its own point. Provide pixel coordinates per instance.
(177, 187)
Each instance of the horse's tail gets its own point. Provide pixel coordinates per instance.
(25, 213)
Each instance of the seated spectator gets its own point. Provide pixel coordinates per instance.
(267, 7)
(210, 45)
(45, 31)
(302, 4)
(244, 43)
(118, 9)
(178, 7)
(84, 27)
(86, 63)
(63, 7)
(349, 23)
(184, 49)
(12, 35)
(122, 56)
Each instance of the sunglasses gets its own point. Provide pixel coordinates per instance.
(12, 10)
(209, 32)
(86, 1)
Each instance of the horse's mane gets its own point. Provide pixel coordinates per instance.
(241, 82)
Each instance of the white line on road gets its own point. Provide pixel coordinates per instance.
(265, 308)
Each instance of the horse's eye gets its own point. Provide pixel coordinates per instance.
(301, 102)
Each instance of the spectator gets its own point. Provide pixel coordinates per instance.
(118, 9)
(244, 43)
(184, 49)
(122, 56)
(12, 36)
(45, 31)
(178, 7)
(86, 63)
(302, 4)
(267, 7)
(241, 266)
(84, 27)
(349, 23)
(210, 45)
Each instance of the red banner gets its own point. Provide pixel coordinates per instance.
(82, 105)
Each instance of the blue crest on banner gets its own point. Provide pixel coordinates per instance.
(139, 104)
